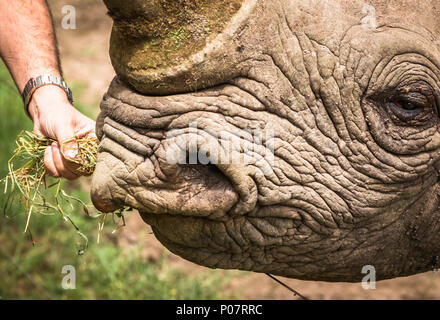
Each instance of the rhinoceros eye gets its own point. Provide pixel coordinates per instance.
(408, 105)
(412, 106)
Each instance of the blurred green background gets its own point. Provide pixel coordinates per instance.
(105, 271)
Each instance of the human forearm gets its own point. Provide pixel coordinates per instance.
(28, 46)
(27, 40)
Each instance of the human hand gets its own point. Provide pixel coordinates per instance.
(56, 118)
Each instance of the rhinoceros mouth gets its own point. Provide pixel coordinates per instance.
(134, 168)
(159, 187)
(154, 159)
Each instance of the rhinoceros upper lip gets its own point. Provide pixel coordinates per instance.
(186, 179)
(176, 189)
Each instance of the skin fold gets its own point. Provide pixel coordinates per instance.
(352, 107)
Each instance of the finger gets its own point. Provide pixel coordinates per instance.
(66, 169)
(89, 133)
(69, 148)
(37, 131)
(69, 165)
(65, 137)
(49, 163)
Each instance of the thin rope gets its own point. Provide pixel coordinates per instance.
(295, 293)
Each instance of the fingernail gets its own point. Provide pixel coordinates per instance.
(70, 150)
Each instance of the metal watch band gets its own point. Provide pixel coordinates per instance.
(40, 81)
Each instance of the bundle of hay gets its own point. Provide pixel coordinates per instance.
(42, 194)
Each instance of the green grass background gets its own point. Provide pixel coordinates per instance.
(105, 271)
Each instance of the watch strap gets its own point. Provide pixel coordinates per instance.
(40, 81)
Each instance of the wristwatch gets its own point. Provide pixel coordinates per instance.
(40, 81)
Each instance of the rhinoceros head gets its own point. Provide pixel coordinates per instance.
(298, 138)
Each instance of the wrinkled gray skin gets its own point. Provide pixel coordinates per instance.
(355, 179)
